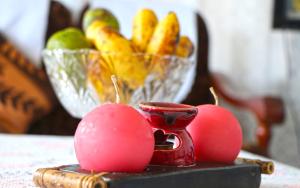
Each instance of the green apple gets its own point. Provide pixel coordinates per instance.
(70, 38)
(100, 14)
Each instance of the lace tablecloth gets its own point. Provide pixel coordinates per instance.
(21, 155)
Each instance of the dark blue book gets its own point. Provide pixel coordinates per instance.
(243, 173)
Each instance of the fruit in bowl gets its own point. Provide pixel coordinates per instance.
(127, 66)
(150, 66)
(70, 38)
(100, 14)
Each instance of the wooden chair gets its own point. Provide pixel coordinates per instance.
(27, 101)
(58, 121)
(267, 110)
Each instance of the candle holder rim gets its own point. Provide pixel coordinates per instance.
(159, 106)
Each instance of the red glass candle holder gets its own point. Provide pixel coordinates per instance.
(170, 119)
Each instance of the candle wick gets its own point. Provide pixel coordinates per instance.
(212, 91)
(114, 80)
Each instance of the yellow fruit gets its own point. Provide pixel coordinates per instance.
(100, 14)
(143, 27)
(118, 51)
(185, 47)
(163, 43)
(93, 30)
(99, 73)
(165, 37)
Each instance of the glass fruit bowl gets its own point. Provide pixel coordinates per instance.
(82, 78)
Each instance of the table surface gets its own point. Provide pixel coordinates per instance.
(21, 155)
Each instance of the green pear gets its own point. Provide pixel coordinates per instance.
(70, 38)
(100, 14)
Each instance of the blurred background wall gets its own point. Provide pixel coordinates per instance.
(259, 60)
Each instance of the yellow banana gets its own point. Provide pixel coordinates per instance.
(165, 37)
(185, 47)
(118, 51)
(99, 74)
(93, 29)
(99, 71)
(143, 27)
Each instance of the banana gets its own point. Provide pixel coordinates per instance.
(185, 47)
(93, 30)
(144, 24)
(163, 42)
(119, 52)
(99, 73)
(165, 37)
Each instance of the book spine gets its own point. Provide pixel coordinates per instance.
(53, 177)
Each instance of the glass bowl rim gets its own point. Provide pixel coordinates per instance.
(48, 52)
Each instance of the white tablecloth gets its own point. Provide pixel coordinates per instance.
(21, 155)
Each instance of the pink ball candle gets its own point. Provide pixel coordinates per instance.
(114, 138)
(216, 134)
